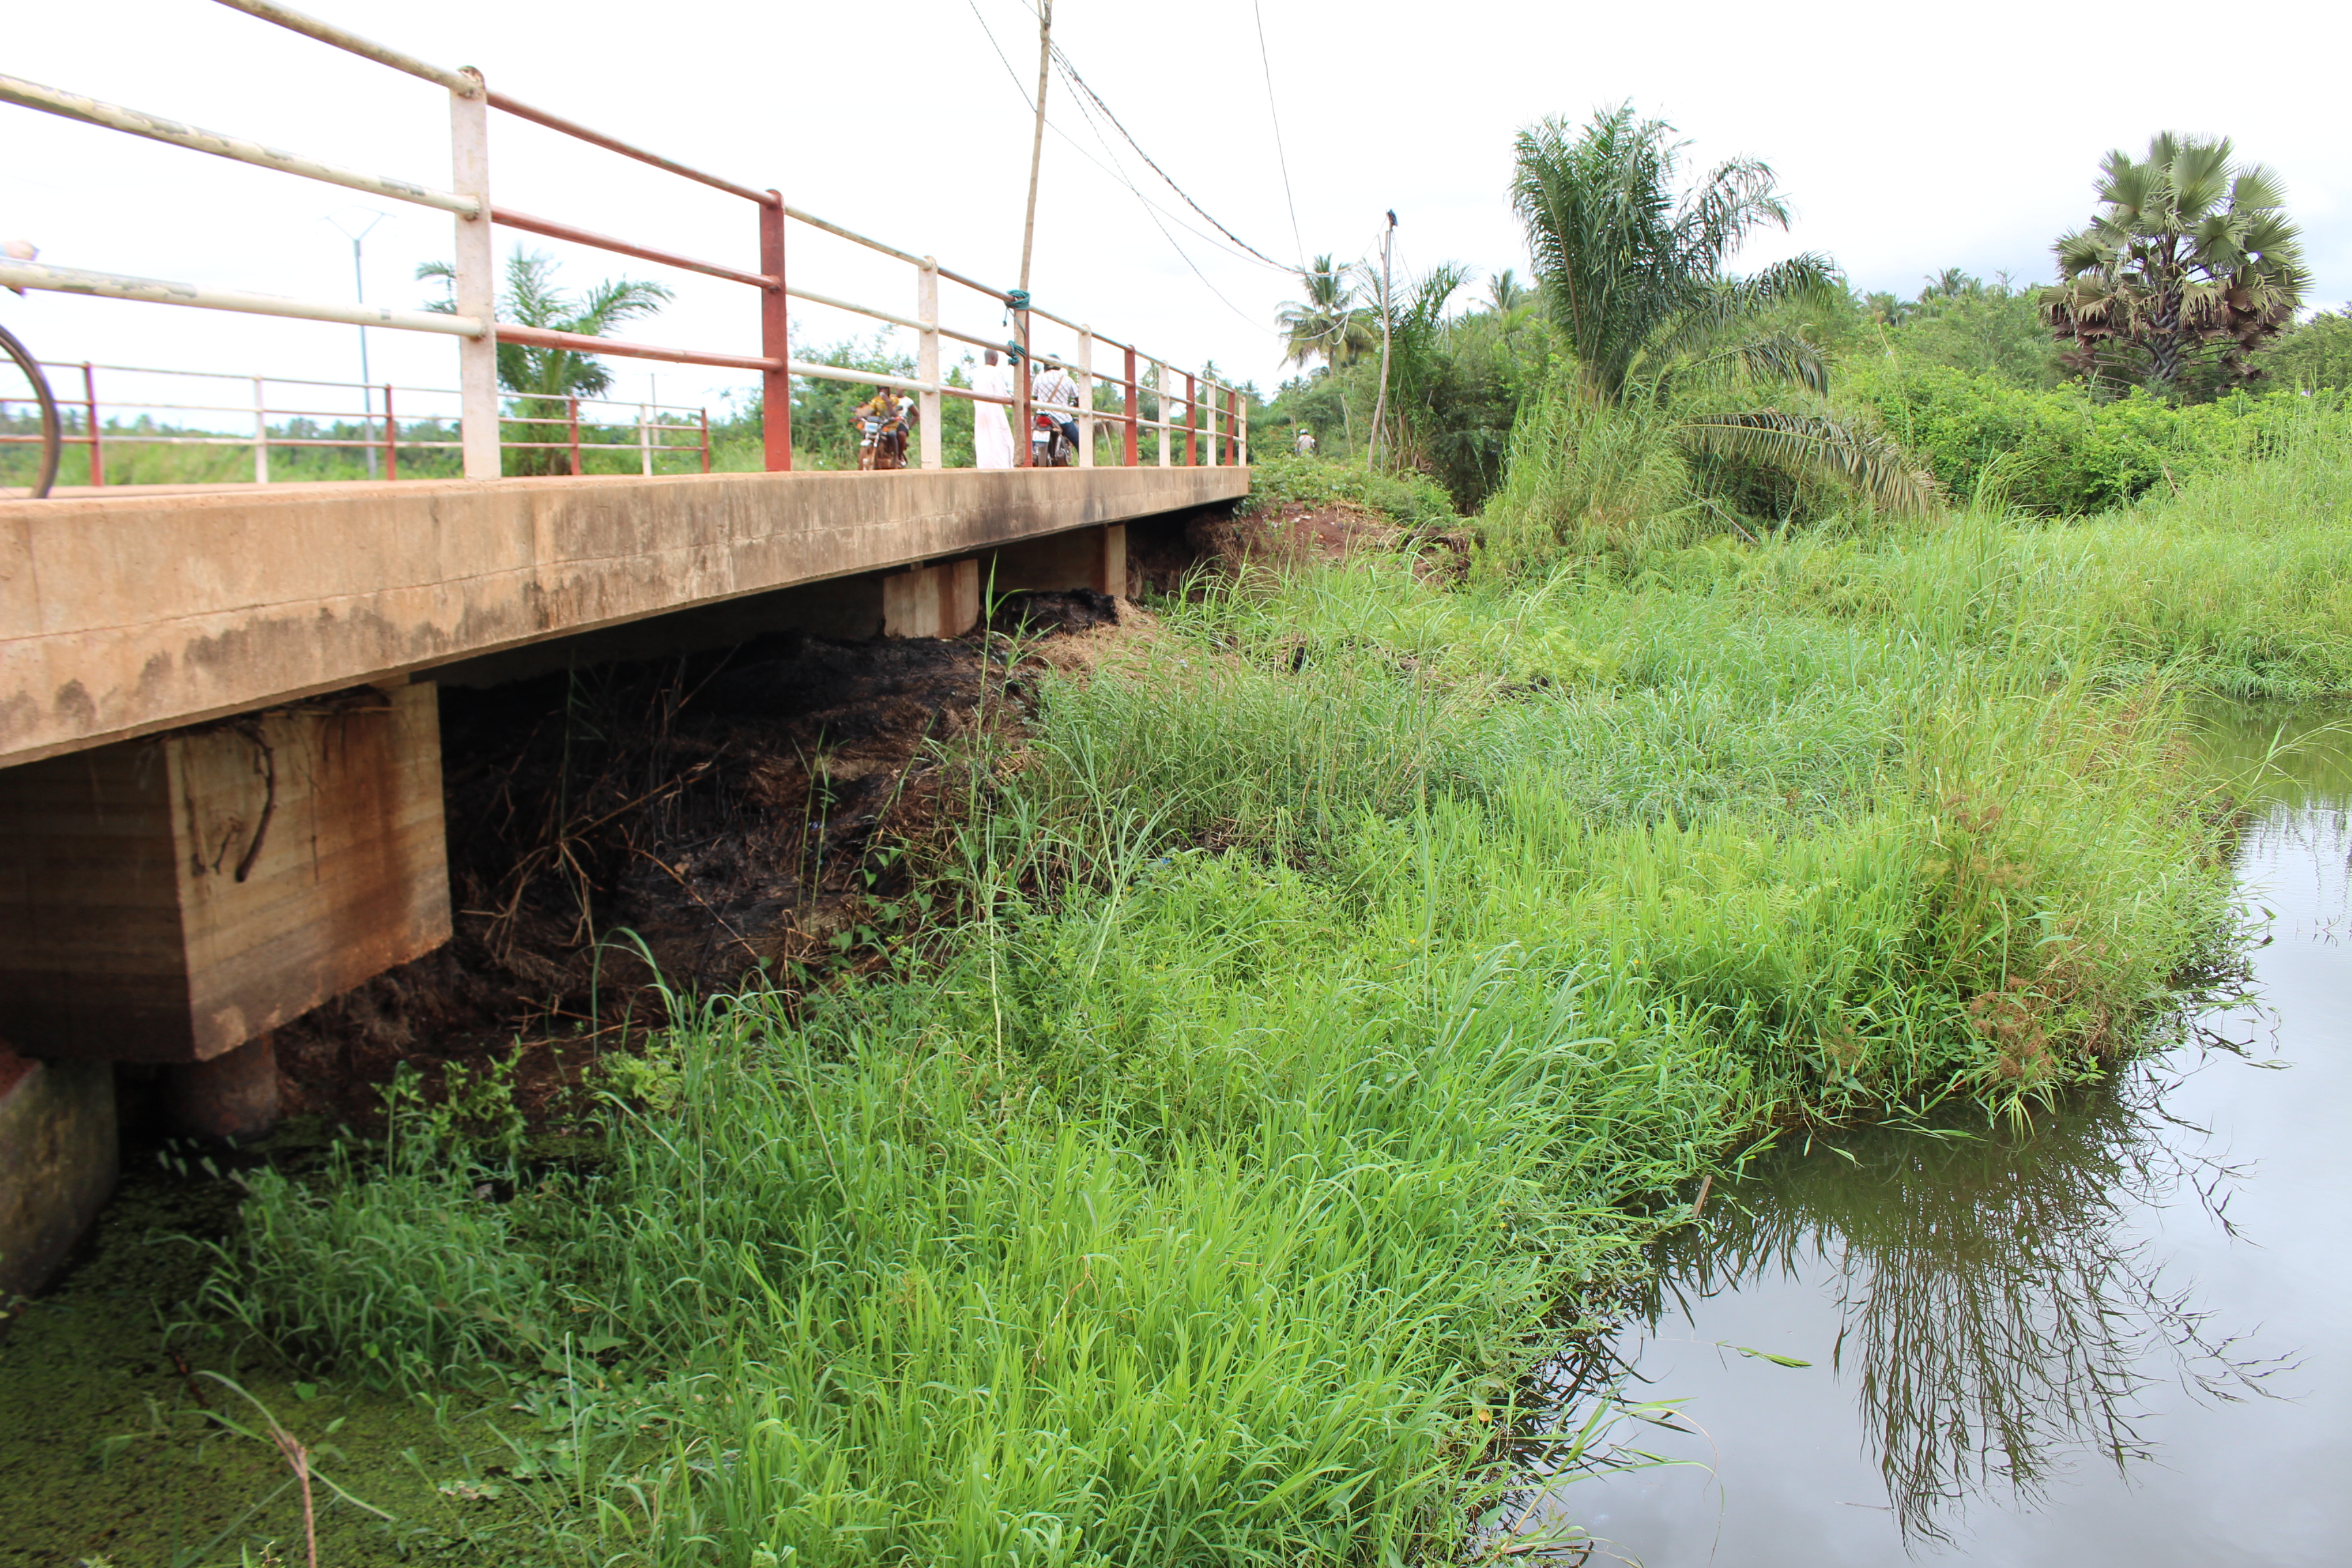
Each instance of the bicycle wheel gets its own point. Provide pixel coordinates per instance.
(23, 385)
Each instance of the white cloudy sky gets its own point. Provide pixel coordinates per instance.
(1910, 138)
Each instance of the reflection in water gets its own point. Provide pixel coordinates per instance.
(2044, 1337)
(1997, 1315)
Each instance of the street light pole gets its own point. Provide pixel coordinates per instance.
(359, 291)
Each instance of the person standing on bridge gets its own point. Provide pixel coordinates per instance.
(992, 427)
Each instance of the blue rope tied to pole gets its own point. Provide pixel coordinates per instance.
(1017, 299)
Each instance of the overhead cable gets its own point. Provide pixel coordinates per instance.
(1153, 209)
(1282, 159)
(1071, 72)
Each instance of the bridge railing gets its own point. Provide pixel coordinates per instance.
(1209, 418)
(390, 419)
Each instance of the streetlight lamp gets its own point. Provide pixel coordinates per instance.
(359, 289)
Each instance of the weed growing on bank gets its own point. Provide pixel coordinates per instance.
(1348, 976)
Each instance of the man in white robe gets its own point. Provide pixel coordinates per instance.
(992, 427)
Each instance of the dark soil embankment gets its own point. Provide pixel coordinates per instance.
(737, 813)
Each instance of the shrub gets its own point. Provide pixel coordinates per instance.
(2058, 451)
(1408, 500)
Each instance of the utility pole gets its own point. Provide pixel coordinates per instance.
(1028, 241)
(1380, 403)
(359, 289)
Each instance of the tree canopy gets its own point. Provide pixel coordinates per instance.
(1638, 285)
(2189, 264)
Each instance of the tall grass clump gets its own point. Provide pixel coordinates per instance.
(2238, 582)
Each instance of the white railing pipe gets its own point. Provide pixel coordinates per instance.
(862, 377)
(156, 291)
(260, 434)
(136, 122)
(476, 285)
(1087, 401)
(911, 323)
(366, 48)
(927, 358)
(1167, 406)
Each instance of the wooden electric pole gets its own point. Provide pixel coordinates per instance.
(1380, 403)
(1037, 140)
(1021, 375)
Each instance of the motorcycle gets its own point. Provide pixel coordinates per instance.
(881, 443)
(1049, 445)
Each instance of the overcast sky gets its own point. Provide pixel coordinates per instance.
(1910, 139)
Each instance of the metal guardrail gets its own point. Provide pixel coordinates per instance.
(1208, 416)
(648, 429)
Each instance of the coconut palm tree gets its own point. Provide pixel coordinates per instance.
(544, 379)
(1638, 285)
(1506, 294)
(2189, 262)
(1329, 324)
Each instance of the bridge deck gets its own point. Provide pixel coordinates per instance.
(125, 613)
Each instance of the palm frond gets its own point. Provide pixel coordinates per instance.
(1870, 463)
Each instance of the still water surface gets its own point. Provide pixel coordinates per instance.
(2124, 1341)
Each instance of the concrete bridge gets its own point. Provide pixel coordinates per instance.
(220, 779)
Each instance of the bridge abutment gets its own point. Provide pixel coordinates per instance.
(171, 900)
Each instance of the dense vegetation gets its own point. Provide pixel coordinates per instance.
(1339, 983)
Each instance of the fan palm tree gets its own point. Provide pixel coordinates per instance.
(1639, 287)
(2190, 260)
(1329, 324)
(544, 379)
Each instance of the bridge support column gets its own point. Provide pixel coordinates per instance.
(1094, 558)
(173, 899)
(941, 601)
(57, 1163)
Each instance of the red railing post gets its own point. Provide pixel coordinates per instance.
(705, 440)
(1131, 401)
(775, 342)
(391, 437)
(90, 405)
(1192, 422)
(572, 415)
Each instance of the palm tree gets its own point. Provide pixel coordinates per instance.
(545, 379)
(2190, 261)
(1505, 293)
(1417, 332)
(1639, 287)
(1329, 324)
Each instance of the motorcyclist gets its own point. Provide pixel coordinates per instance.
(1050, 391)
(895, 411)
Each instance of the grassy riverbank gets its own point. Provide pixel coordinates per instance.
(1342, 976)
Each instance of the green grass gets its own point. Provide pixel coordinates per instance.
(1343, 981)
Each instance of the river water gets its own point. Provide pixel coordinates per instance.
(2121, 1340)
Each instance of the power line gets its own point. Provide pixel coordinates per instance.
(1119, 174)
(1281, 158)
(1080, 82)
(1152, 208)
